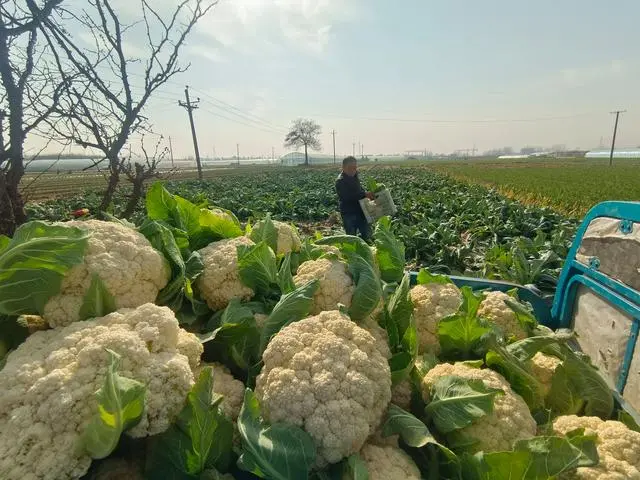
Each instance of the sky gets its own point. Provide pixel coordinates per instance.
(404, 75)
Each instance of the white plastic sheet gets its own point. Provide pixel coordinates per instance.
(381, 206)
(617, 253)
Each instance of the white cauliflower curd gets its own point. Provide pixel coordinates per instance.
(510, 420)
(220, 281)
(326, 375)
(49, 384)
(618, 448)
(543, 367)
(431, 303)
(494, 309)
(335, 284)
(131, 269)
(389, 463)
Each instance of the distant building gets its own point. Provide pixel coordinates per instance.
(630, 153)
(297, 158)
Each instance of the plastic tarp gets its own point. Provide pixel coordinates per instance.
(382, 205)
(617, 253)
(603, 332)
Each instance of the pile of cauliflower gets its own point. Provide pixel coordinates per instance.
(324, 374)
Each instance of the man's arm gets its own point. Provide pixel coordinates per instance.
(350, 193)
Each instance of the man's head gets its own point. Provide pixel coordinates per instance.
(350, 166)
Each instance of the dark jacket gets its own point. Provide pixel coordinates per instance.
(349, 192)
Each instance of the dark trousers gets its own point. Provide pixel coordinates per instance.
(355, 223)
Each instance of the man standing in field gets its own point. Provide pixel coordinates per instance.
(350, 192)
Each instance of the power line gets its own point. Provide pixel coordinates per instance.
(211, 112)
(190, 107)
(248, 116)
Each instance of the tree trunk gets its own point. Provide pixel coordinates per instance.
(7, 219)
(306, 156)
(136, 195)
(114, 179)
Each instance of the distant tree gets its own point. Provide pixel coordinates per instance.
(304, 133)
(139, 172)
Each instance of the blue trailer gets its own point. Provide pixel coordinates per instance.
(597, 297)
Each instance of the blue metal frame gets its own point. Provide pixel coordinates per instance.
(616, 293)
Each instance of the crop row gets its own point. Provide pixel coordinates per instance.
(447, 225)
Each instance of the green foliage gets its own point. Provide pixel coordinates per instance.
(390, 252)
(120, 405)
(457, 402)
(397, 320)
(97, 301)
(265, 231)
(292, 307)
(199, 441)
(278, 451)
(538, 458)
(258, 268)
(464, 335)
(449, 226)
(33, 263)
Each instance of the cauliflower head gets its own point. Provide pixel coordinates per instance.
(401, 394)
(49, 384)
(131, 269)
(326, 375)
(220, 281)
(226, 385)
(288, 238)
(389, 463)
(431, 303)
(543, 367)
(510, 420)
(336, 285)
(494, 309)
(618, 448)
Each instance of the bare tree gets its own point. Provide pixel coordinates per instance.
(140, 172)
(304, 133)
(30, 94)
(105, 105)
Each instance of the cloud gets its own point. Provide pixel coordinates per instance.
(581, 76)
(258, 27)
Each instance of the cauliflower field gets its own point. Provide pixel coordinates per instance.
(193, 346)
(448, 226)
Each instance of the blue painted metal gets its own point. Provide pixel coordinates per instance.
(632, 345)
(620, 210)
(614, 292)
(626, 227)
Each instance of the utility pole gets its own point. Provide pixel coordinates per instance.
(273, 155)
(354, 149)
(3, 114)
(238, 153)
(333, 133)
(190, 107)
(171, 152)
(615, 131)
(362, 151)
